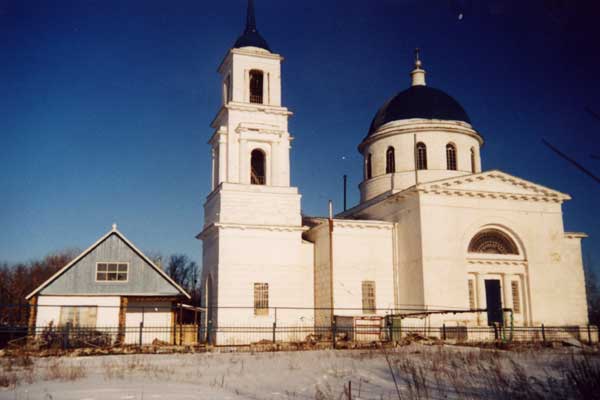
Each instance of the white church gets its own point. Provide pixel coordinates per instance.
(432, 231)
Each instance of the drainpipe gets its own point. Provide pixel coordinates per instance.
(331, 261)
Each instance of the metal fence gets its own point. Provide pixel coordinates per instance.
(300, 336)
(286, 327)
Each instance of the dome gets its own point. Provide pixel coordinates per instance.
(251, 37)
(419, 101)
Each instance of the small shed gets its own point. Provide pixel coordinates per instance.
(113, 288)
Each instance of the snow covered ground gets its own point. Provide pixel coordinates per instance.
(420, 372)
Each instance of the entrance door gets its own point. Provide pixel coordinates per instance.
(493, 301)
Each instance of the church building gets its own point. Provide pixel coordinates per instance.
(433, 231)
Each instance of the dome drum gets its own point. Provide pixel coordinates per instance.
(402, 137)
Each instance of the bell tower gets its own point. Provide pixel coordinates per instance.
(252, 234)
(251, 143)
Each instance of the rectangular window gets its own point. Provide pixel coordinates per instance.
(514, 285)
(112, 272)
(471, 295)
(368, 297)
(261, 299)
(84, 317)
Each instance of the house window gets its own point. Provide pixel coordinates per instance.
(516, 298)
(492, 241)
(390, 161)
(256, 86)
(261, 299)
(110, 272)
(368, 167)
(257, 167)
(368, 297)
(421, 154)
(471, 295)
(451, 157)
(78, 316)
(473, 167)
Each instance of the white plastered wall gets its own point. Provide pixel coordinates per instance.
(277, 257)
(156, 317)
(401, 136)
(362, 251)
(48, 309)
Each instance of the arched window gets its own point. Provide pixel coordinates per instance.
(493, 241)
(473, 166)
(257, 164)
(421, 154)
(368, 167)
(390, 161)
(256, 86)
(451, 157)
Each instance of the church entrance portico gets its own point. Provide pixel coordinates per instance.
(508, 292)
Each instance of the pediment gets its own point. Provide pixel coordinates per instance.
(495, 184)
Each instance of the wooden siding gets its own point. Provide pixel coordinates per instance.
(80, 279)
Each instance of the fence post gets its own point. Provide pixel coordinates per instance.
(543, 334)
(66, 335)
(444, 331)
(180, 324)
(333, 332)
(495, 331)
(589, 334)
(390, 328)
(274, 325)
(141, 331)
(349, 390)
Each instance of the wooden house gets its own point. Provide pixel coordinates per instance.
(111, 287)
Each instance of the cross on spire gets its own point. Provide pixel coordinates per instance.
(417, 59)
(418, 74)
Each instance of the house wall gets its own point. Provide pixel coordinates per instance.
(157, 319)
(107, 314)
(80, 278)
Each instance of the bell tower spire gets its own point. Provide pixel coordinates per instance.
(250, 18)
(250, 37)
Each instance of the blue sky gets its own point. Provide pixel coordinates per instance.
(105, 105)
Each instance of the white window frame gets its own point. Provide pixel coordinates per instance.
(77, 312)
(261, 299)
(368, 297)
(117, 272)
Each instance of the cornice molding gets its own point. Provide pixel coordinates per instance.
(274, 228)
(449, 187)
(350, 223)
(417, 125)
(483, 261)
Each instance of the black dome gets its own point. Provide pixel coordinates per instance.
(251, 38)
(419, 102)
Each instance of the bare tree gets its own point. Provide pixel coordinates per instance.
(593, 292)
(185, 272)
(20, 279)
